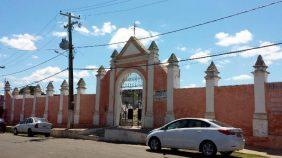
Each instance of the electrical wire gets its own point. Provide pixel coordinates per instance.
(23, 70)
(190, 59)
(188, 27)
(102, 6)
(43, 78)
(128, 9)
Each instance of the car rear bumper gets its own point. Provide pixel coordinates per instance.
(232, 145)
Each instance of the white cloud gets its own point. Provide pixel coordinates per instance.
(200, 53)
(269, 54)
(223, 62)
(225, 40)
(137, 22)
(50, 70)
(21, 41)
(187, 67)
(191, 86)
(243, 77)
(46, 72)
(107, 28)
(123, 34)
(82, 30)
(34, 57)
(182, 48)
(60, 34)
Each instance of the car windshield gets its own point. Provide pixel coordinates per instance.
(39, 120)
(220, 123)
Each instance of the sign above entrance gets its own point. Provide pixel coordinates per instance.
(133, 81)
(160, 95)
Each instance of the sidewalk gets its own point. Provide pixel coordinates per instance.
(262, 152)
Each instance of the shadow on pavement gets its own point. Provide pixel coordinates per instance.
(167, 152)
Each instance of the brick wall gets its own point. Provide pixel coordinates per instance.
(234, 105)
(189, 102)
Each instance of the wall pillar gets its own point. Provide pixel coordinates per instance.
(173, 81)
(110, 113)
(260, 120)
(49, 92)
(26, 94)
(211, 81)
(6, 93)
(81, 87)
(15, 95)
(63, 91)
(100, 74)
(37, 93)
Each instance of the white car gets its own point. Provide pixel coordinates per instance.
(33, 125)
(205, 135)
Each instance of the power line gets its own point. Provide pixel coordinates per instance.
(191, 59)
(43, 78)
(128, 9)
(23, 70)
(101, 6)
(189, 27)
(89, 6)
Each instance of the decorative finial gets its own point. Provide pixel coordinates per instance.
(81, 83)
(212, 68)
(153, 47)
(15, 91)
(50, 86)
(114, 54)
(37, 90)
(212, 71)
(7, 86)
(101, 70)
(173, 59)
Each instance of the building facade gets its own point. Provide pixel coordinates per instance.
(256, 108)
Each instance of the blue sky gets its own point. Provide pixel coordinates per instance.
(24, 39)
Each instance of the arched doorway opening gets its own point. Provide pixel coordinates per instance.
(130, 99)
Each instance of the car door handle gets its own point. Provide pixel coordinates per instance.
(199, 131)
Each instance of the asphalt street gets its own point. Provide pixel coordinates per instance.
(22, 146)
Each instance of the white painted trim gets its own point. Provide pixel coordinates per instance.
(148, 123)
(12, 109)
(96, 114)
(110, 117)
(60, 113)
(260, 78)
(172, 82)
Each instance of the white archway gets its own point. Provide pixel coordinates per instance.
(118, 100)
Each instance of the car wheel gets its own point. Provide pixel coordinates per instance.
(155, 144)
(226, 153)
(15, 131)
(208, 149)
(47, 134)
(29, 133)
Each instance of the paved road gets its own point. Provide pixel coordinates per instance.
(40, 147)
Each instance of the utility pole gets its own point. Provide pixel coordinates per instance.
(69, 26)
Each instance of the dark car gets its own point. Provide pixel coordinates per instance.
(2, 125)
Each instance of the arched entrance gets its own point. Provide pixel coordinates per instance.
(121, 109)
